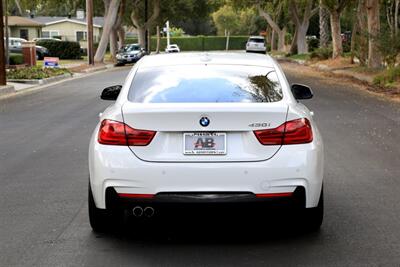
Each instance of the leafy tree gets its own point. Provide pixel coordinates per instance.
(335, 8)
(226, 20)
(301, 15)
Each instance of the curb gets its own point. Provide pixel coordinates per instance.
(42, 81)
(339, 72)
(75, 76)
(6, 90)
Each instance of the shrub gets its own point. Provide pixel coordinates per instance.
(321, 53)
(62, 49)
(313, 43)
(389, 46)
(16, 59)
(388, 77)
(35, 73)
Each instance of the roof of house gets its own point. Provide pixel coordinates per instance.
(97, 21)
(23, 21)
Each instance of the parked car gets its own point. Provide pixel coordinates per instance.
(256, 44)
(184, 132)
(172, 48)
(46, 39)
(130, 53)
(15, 46)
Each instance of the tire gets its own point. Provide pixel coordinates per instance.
(39, 56)
(100, 220)
(312, 218)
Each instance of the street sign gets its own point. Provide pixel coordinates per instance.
(51, 62)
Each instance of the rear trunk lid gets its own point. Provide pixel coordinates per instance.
(235, 121)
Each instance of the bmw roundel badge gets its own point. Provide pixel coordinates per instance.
(204, 121)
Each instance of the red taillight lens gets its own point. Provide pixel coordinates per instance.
(119, 134)
(291, 132)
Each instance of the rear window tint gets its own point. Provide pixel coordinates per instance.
(205, 84)
(256, 40)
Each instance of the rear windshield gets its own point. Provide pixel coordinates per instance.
(256, 40)
(205, 84)
(130, 48)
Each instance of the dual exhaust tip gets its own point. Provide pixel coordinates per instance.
(146, 212)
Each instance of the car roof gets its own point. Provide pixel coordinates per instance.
(256, 37)
(215, 58)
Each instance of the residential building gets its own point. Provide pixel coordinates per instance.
(70, 28)
(22, 27)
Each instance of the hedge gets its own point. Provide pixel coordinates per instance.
(199, 43)
(62, 49)
(16, 59)
(35, 72)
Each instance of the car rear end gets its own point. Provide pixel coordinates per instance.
(256, 44)
(205, 134)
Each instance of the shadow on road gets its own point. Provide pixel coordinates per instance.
(211, 228)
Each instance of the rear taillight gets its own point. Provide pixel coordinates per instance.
(119, 134)
(291, 132)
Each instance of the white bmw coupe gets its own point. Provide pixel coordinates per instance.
(205, 128)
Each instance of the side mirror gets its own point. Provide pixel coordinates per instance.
(111, 93)
(301, 91)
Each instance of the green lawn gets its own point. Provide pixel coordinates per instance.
(300, 56)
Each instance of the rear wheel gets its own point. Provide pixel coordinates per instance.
(312, 218)
(100, 219)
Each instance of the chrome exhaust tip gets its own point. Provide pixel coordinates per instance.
(148, 212)
(137, 211)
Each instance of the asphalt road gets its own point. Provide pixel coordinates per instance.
(43, 189)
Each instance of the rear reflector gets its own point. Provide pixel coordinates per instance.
(291, 132)
(125, 195)
(119, 134)
(271, 195)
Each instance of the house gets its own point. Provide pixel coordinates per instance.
(22, 27)
(70, 28)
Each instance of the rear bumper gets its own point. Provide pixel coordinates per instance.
(127, 61)
(256, 49)
(194, 200)
(293, 166)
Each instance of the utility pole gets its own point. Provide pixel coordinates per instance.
(168, 41)
(146, 41)
(6, 29)
(3, 80)
(89, 22)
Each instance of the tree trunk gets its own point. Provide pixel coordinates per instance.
(323, 26)
(374, 57)
(281, 32)
(273, 42)
(281, 40)
(113, 44)
(18, 4)
(141, 31)
(121, 37)
(158, 39)
(293, 46)
(227, 41)
(336, 34)
(302, 20)
(353, 41)
(396, 17)
(302, 46)
(362, 30)
(142, 27)
(108, 24)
